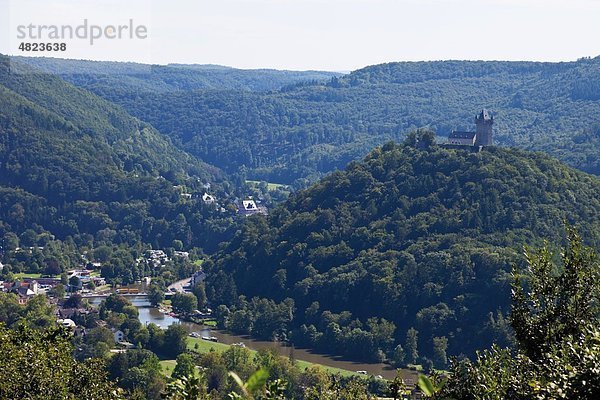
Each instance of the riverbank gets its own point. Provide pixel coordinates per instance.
(305, 357)
(203, 346)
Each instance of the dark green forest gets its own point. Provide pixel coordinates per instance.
(74, 165)
(412, 246)
(407, 256)
(304, 130)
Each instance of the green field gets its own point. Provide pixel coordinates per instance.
(22, 275)
(270, 185)
(167, 367)
(205, 346)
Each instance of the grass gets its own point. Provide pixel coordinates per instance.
(415, 367)
(167, 367)
(22, 275)
(102, 287)
(204, 346)
(270, 185)
(343, 372)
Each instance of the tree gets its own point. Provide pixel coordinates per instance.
(29, 238)
(52, 267)
(156, 295)
(177, 245)
(411, 345)
(184, 303)
(555, 318)
(10, 241)
(440, 346)
(58, 291)
(175, 340)
(74, 301)
(199, 290)
(95, 344)
(559, 302)
(115, 303)
(38, 365)
(102, 253)
(10, 309)
(38, 313)
(185, 366)
(187, 388)
(74, 283)
(399, 356)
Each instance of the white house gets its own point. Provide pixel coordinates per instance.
(208, 199)
(250, 207)
(67, 323)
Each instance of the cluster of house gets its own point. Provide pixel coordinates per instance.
(207, 198)
(245, 207)
(157, 258)
(66, 317)
(24, 289)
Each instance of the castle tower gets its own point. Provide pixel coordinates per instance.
(484, 122)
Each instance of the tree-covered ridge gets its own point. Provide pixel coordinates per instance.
(306, 130)
(423, 238)
(72, 163)
(171, 77)
(555, 318)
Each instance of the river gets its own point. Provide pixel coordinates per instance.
(149, 315)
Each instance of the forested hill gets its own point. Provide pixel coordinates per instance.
(306, 130)
(424, 238)
(72, 163)
(103, 75)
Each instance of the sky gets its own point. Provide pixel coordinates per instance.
(334, 35)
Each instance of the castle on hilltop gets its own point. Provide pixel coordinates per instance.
(483, 136)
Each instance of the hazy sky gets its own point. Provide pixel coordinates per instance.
(341, 34)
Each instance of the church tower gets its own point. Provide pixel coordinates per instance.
(484, 122)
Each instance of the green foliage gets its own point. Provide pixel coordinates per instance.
(558, 353)
(557, 303)
(37, 364)
(187, 388)
(37, 313)
(156, 294)
(175, 341)
(185, 366)
(423, 238)
(73, 165)
(184, 303)
(301, 132)
(137, 371)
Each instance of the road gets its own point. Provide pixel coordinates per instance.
(178, 286)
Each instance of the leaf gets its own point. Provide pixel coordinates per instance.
(426, 385)
(239, 382)
(257, 381)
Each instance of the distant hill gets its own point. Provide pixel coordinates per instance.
(424, 238)
(72, 163)
(306, 130)
(101, 76)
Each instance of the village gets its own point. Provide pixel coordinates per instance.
(76, 294)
